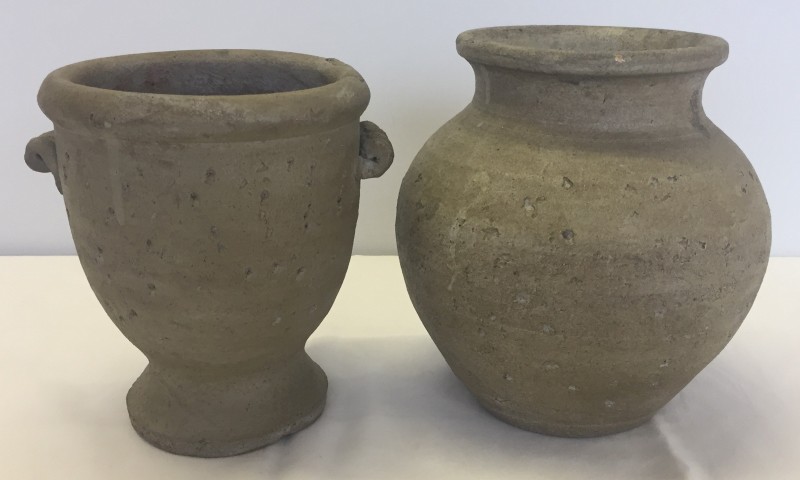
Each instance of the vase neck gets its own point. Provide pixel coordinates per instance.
(657, 105)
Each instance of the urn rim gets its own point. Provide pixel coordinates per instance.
(204, 95)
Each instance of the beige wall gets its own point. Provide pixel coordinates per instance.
(406, 51)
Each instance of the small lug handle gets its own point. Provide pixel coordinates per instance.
(375, 151)
(40, 155)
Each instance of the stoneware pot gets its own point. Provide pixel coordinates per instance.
(581, 240)
(212, 198)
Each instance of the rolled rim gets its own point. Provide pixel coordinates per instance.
(82, 97)
(592, 50)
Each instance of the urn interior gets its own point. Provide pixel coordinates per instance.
(198, 76)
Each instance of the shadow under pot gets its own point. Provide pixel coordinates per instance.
(581, 240)
(212, 197)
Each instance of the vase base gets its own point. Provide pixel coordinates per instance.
(227, 413)
(568, 430)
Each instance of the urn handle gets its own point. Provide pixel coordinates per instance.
(375, 151)
(40, 155)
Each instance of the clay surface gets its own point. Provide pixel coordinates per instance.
(581, 240)
(212, 198)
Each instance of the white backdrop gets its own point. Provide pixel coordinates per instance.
(406, 52)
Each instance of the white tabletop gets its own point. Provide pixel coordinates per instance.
(394, 408)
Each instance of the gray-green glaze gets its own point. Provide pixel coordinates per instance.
(581, 240)
(212, 198)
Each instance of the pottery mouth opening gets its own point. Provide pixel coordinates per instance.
(590, 50)
(203, 77)
(204, 95)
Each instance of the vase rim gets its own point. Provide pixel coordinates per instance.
(226, 98)
(592, 50)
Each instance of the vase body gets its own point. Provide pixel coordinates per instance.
(581, 240)
(213, 212)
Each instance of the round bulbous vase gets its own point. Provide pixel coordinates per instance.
(581, 240)
(212, 197)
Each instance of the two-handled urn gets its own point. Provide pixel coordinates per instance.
(212, 198)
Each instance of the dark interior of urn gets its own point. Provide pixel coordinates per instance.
(595, 39)
(203, 78)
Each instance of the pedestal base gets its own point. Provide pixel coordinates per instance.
(225, 412)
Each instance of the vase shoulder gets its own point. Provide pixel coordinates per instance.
(516, 178)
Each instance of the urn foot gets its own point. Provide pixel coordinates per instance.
(226, 411)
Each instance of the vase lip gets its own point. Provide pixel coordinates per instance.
(592, 50)
(320, 93)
